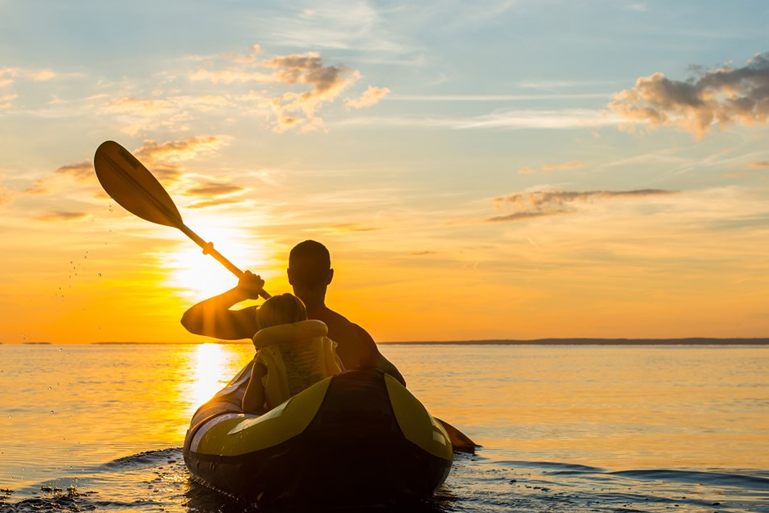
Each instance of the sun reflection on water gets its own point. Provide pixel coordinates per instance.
(208, 372)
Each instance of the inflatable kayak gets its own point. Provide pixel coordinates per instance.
(357, 438)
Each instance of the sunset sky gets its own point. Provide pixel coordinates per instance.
(486, 169)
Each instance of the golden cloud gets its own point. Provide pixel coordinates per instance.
(552, 167)
(529, 205)
(371, 96)
(214, 189)
(62, 216)
(326, 84)
(82, 171)
(723, 96)
(5, 101)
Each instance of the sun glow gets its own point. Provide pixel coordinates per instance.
(196, 276)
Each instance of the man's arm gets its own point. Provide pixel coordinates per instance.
(377, 359)
(213, 317)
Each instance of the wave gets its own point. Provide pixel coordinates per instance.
(144, 459)
(698, 477)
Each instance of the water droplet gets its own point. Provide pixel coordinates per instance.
(99, 275)
(49, 388)
(52, 412)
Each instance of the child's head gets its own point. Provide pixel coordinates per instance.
(283, 309)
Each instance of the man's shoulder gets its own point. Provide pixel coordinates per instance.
(341, 326)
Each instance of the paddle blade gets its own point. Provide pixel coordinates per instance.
(459, 441)
(131, 184)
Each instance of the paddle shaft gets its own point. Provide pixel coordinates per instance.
(208, 249)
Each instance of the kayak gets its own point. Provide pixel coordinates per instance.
(357, 438)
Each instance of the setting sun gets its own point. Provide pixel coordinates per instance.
(195, 276)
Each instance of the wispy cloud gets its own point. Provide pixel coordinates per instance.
(62, 216)
(216, 202)
(370, 96)
(9, 76)
(80, 171)
(214, 189)
(763, 164)
(723, 96)
(339, 25)
(6, 101)
(530, 205)
(344, 228)
(42, 75)
(142, 114)
(495, 97)
(517, 119)
(164, 159)
(552, 167)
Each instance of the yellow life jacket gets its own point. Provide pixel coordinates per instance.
(296, 355)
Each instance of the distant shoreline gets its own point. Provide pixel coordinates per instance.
(599, 342)
(691, 341)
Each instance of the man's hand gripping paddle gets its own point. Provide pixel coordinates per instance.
(131, 184)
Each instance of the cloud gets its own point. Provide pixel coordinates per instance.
(344, 228)
(371, 96)
(215, 202)
(504, 120)
(82, 171)
(62, 216)
(214, 189)
(530, 205)
(141, 115)
(6, 100)
(559, 167)
(325, 83)
(310, 83)
(522, 216)
(725, 96)
(230, 76)
(41, 75)
(164, 159)
(423, 253)
(552, 167)
(184, 149)
(763, 164)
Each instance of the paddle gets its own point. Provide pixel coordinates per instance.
(131, 184)
(459, 441)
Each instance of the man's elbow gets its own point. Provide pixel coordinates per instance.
(191, 323)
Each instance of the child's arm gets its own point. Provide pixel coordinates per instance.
(253, 398)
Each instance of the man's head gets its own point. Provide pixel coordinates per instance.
(309, 266)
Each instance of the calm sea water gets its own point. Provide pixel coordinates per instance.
(567, 428)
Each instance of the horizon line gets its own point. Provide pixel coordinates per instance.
(537, 341)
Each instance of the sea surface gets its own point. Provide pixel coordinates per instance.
(563, 429)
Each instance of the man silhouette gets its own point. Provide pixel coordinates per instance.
(309, 273)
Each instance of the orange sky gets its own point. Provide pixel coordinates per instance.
(468, 186)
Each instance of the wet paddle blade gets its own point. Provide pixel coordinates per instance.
(130, 184)
(460, 441)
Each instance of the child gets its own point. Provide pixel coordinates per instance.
(292, 354)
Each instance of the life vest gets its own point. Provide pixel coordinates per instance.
(296, 355)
